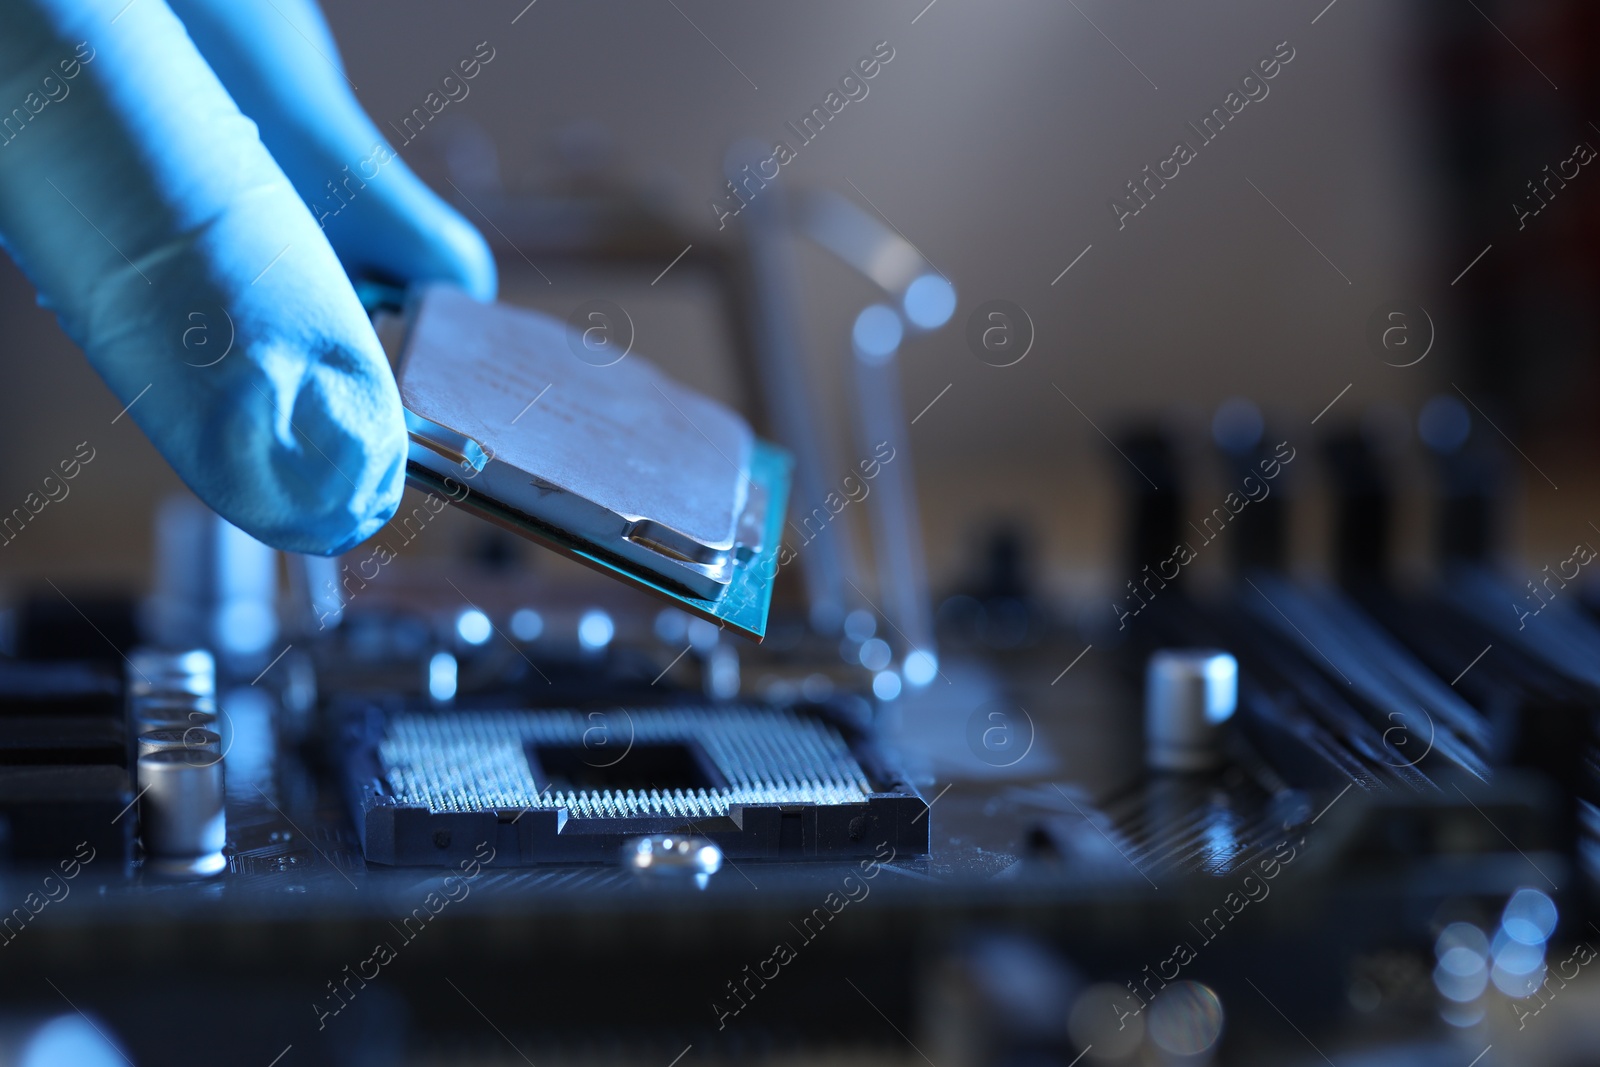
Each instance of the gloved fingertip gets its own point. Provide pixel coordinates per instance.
(463, 247)
(397, 230)
(364, 529)
(340, 456)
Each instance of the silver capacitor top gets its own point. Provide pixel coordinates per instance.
(147, 660)
(159, 715)
(215, 585)
(171, 703)
(152, 670)
(181, 737)
(1189, 695)
(182, 820)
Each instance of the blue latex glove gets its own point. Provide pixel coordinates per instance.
(159, 226)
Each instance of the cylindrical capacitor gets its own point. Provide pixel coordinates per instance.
(156, 714)
(215, 585)
(172, 685)
(147, 660)
(160, 703)
(1189, 694)
(192, 738)
(180, 734)
(182, 820)
(151, 670)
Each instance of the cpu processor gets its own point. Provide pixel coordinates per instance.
(608, 461)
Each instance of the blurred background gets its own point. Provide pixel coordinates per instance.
(1382, 170)
(1379, 247)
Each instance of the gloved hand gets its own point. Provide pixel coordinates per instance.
(164, 232)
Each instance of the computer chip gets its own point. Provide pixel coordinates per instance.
(571, 786)
(614, 464)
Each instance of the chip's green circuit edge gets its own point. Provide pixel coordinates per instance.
(743, 607)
